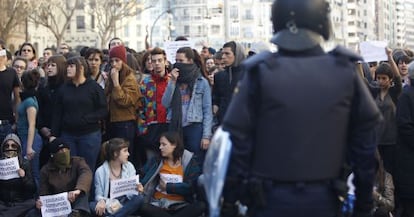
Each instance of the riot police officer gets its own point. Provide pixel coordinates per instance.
(297, 118)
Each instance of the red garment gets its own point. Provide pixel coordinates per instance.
(161, 85)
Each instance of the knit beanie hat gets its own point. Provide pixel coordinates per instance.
(119, 52)
(56, 145)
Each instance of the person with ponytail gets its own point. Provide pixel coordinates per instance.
(115, 167)
(189, 103)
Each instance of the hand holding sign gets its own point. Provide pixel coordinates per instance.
(9, 168)
(55, 205)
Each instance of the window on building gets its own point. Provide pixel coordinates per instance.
(186, 30)
(234, 12)
(93, 22)
(139, 32)
(234, 31)
(351, 34)
(139, 12)
(126, 31)
(215, 29)
(80, 5)
(248, 14)
(199, 30)
(80, 22)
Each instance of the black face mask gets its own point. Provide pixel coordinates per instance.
(188, 72)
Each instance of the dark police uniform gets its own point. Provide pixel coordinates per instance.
(296, 118)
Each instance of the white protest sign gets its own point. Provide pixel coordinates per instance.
(8, 168)
(169, 178)
(125, 186)
(373, 51)
(55, 205)
(171, 48)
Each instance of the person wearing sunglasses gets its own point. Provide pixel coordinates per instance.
(16, 194)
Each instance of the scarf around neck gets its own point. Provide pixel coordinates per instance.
(188, 75)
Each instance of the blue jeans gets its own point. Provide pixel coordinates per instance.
(5, 129)
(35, 162)
(129, 206)
(126, 130)
(192, 135)
(87, 146)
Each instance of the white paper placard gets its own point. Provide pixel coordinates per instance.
(8, 168)
(171, 48)
(125, 186)
(373, 51)
(55, 205)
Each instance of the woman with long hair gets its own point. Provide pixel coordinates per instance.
(122, 92)
(169, 181)
(189, 103)
(55, 77)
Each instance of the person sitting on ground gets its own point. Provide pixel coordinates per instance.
(169, 181)
(16, 194)
(64, 173)
(116, 166)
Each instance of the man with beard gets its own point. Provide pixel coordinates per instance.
(17, 194)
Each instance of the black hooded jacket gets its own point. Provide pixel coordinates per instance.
(17, 189)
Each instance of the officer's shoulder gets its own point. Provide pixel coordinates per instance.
(255, 60)
(342, 52)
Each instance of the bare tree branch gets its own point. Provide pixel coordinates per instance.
(108, 12)
(14, 13)
(52, 14)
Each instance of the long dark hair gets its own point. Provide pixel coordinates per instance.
(192, 54)
(175, 139)
(61, 67)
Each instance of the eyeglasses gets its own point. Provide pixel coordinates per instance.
(26, 50)
(64, 48)
(19, 67)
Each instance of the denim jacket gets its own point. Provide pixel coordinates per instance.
(200, 108)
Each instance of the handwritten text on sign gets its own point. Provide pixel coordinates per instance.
(55, 205)
(8, 168)
(125, 186)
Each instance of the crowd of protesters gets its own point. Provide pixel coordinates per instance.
(103, 115)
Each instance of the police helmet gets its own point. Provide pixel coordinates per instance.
(298, 25)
